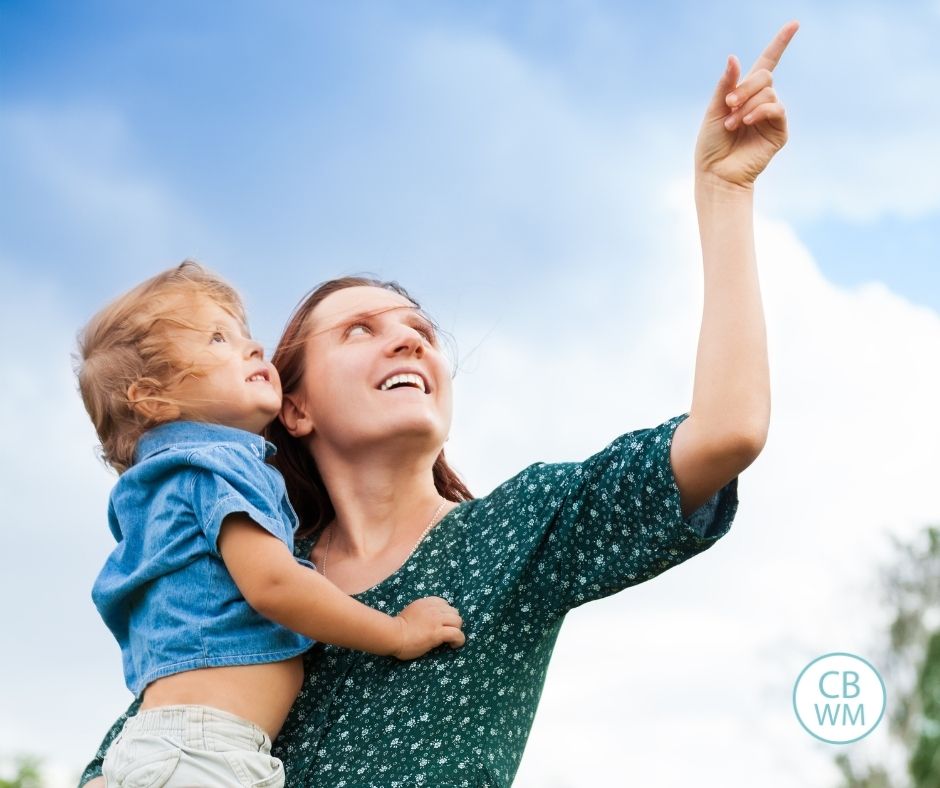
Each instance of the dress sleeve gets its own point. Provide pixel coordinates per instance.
(93, 769)
(615, 520)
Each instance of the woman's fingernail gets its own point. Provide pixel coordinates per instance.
(729, 123)
(731, 99)
(747, 118)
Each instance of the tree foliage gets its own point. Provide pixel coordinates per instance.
(27, 774)
(911, 666)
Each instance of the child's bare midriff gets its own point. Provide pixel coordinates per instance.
(262, 693)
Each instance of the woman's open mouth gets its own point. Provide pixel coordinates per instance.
(402, 380)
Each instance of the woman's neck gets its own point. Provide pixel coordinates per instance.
(378, 500)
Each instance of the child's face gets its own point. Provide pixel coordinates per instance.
(235, 385)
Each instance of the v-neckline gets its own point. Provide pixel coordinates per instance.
(427, 537)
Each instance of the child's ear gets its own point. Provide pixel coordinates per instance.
(294, 417)
(145, 401)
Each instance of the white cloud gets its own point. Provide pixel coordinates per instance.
(862, 178)
(696, 667)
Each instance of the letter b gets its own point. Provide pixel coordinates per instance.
(853, 682)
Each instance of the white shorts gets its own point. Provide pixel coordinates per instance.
(191, 747)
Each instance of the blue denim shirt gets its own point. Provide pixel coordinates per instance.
(164, 591)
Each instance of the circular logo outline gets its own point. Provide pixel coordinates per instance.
(884, 691)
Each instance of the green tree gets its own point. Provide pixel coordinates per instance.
(910, 664)
(27, 774)
(925, 762)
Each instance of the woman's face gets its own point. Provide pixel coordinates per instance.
(374, 374)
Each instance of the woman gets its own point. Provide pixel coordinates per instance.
(366, 412)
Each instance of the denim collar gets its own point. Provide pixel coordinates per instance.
(175, 434)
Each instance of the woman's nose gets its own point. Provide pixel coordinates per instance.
(407, 341)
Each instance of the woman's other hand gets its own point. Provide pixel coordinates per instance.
(745, 124)
(427, 623)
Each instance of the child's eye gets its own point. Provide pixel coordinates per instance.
(217, 336)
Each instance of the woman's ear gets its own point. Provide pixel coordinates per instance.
(146, 401)
(294, 417)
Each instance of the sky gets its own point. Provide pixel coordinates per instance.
(525, 169)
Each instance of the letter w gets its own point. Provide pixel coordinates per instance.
(830, 713)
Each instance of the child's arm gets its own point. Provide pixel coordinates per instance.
(279, 588)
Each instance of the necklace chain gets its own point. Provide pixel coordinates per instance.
(424, 533)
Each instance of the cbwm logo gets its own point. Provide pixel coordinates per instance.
(839, 698)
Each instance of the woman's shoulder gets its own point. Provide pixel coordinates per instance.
(543, 484)
(539, 478)
(536, 487)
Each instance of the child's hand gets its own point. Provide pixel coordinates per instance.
(427, 623)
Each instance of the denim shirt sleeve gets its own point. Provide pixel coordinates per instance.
(227, 480)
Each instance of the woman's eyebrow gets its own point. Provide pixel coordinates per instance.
(366, 314)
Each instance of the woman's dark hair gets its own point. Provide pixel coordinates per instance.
(305, 486)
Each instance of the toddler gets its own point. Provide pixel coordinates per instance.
(202, 592)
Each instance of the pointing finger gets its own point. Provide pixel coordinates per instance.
(774, 51)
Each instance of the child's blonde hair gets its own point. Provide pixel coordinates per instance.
(127, 343)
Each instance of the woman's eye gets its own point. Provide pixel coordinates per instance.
(217, 336)
(426, 332)
(358, 328)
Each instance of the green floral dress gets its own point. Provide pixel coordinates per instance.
(513, 563)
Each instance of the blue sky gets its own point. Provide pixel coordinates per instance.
(524, 168)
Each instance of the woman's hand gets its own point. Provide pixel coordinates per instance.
(745, 124)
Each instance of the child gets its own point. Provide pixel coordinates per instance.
(202, 591)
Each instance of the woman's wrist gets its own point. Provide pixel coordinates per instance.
(709, 185)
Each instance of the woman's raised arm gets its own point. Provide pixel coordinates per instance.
(744, 126)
